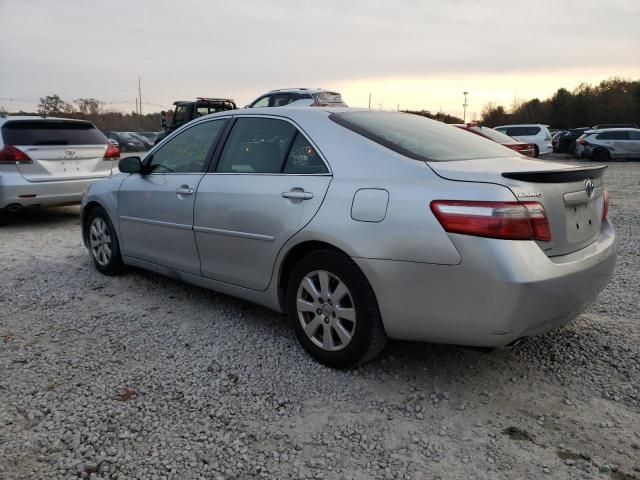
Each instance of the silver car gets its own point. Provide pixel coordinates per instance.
(610, 143)
(50, 161)
(361, 226)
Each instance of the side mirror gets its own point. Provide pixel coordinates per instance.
(163, 116)
(130, 165)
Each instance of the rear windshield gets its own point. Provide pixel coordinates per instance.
(494, 135)
(418, 137)
(329, 97)
(51, 132)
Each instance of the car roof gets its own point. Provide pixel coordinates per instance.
(618, 129)
(301, 89)
(523, 125)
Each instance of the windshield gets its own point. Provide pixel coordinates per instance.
(494, 135)
(418, 137)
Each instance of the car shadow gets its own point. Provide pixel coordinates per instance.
(35, 216)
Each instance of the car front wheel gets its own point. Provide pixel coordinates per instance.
(333, 310)
(103, 242)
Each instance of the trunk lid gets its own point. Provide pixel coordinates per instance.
(572, 196)
(60, 149)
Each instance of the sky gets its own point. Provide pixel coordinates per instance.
(407, 53)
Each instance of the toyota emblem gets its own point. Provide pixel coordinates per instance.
(589, 187)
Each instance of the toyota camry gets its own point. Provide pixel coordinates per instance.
(361, 226)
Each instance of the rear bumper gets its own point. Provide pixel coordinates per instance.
(501, 291)
(15, 190)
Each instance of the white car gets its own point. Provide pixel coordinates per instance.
(610, 143)
(299, 97)
(534, 133)
(50, 161)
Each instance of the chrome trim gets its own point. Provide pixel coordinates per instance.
(232, 233)
(146, 221)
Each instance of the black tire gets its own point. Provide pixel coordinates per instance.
(114, 266)
(536, 151)
(602, 155)
(368, 335)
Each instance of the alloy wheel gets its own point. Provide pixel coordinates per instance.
(100, 241)
(326, 310)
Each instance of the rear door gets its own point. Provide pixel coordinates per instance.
(155, 209)
(269, 182)
(60, 149)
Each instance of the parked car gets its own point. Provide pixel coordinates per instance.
(536, 134)
(151, 136)
(361, 225)
(50, 161)
(498, 137)
(187, 110)
(126, 142)
(299, 97)
(614, 125)
(610, 143)
(565, 141)
(142, 139)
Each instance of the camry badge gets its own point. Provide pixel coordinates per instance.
(529, 194)
(69, 153)
(589, 187)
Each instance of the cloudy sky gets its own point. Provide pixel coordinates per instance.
(418, 54)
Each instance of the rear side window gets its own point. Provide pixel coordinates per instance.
(620, 135)
(634, 135)
(303, 158)
(418, 137)
(257, 145)
(51, 132)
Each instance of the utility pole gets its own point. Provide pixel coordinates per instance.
(465, 105)
(369, 100)
(140, 95)
(398, 109)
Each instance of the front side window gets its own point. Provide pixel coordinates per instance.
(281, 99)
(418, 137)
(181, 115)
(619, 135)
(187, 152)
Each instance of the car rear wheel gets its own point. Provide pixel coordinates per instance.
(103, 242)
(333, 310)
(602, 155)
(536, 151)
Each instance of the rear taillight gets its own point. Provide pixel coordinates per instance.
(605, 205)
(504, 220)
(112, 152)
(10, 155)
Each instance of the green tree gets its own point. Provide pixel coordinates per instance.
(54, 105)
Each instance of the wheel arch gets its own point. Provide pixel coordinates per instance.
(290, 260)
(86, 212)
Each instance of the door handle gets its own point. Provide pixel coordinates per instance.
(185, 190)
(298, 195)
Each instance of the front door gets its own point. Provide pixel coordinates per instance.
(155, 209)
(268, 184)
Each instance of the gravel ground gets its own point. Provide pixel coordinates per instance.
(143, 377)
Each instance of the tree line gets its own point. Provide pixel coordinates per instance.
(95, 111)
(611, 101)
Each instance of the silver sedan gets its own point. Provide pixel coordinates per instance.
(361, 226)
